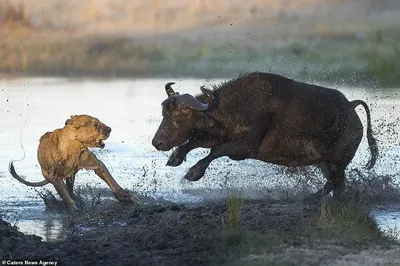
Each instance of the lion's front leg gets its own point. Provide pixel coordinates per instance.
(90, 161)
(118, 192)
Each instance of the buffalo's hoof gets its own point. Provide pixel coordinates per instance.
(176, 158)
(195, 173)
(123, 196)
(174, 161)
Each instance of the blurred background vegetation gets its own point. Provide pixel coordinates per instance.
(353, 42)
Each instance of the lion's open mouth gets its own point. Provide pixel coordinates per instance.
(101, 143)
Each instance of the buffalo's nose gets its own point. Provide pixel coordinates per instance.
(158, 144)
(108, 129)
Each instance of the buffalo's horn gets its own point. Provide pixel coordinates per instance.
(170, 91)
(191, 102)
(208, 92)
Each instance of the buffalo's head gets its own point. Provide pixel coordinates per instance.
(182, 116)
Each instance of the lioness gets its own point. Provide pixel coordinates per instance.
(63, 152)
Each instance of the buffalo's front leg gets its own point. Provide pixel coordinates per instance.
(179, 154)
(245, 146)
(240, 148)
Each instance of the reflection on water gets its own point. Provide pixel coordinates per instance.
(388, 221)
(133, 110)
(30, 218)
(48, 228)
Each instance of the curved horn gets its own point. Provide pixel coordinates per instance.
(191, 102)
(208, 92)
(170, 91)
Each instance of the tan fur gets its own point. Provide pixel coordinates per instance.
(63, 152)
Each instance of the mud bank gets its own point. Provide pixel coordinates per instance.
(232, 232)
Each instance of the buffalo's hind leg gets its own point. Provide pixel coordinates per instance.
(343, 152)
(340, 156)
(335, 181)
(337, 176)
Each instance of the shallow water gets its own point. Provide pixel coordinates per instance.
(132, 108)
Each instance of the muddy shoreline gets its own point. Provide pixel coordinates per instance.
(264, 232)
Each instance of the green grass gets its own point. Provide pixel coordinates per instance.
(338, 227)
(384, 64)
(348, 221)
(369, 62)
(234, 210)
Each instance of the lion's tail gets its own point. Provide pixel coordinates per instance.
(12, 171)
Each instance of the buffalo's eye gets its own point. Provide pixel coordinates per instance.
(97, 126)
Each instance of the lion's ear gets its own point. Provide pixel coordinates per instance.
(72, 122)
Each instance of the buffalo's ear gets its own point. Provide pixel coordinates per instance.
(204, 121)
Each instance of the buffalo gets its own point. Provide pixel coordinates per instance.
(266, 117)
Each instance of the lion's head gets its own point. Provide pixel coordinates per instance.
(88, 130)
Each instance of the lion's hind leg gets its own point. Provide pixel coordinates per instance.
(62, 190)
(70, 185)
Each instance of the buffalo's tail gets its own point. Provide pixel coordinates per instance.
(12, 171)
(373, 146)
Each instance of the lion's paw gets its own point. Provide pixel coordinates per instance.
(123, 196)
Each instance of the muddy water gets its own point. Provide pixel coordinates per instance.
(30, 107)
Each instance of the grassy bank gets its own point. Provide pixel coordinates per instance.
(372, 60)
(352, 51)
